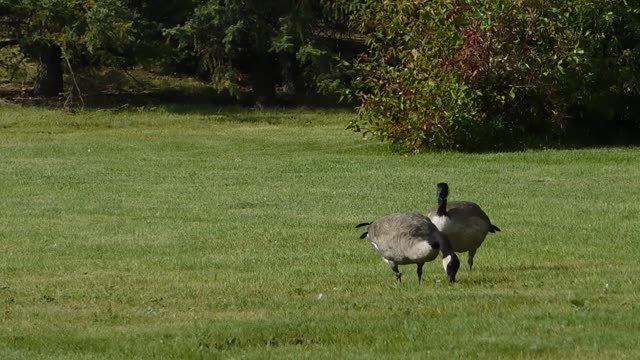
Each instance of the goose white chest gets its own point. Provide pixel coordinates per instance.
(441, 222)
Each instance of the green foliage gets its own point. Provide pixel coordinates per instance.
(213, 34)
(103, 31)
(603, 75)
(11, 65)
(110, 30)
(474, 75)
(235, 43)
(65, 23)
(33, 22)
(229, 37)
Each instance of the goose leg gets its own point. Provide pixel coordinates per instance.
(394, 268)
(419, 271)
(472, 253)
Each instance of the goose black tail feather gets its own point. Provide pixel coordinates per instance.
(364, 234)
(494, 228)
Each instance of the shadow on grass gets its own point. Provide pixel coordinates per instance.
(119, 90)
(508, 274)
(475, 278)
(201, 102)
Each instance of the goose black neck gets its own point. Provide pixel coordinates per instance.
(445, 246)
(442, 208)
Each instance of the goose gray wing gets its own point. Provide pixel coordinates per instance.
(404, 238)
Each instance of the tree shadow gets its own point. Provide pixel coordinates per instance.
(118, 90)
(201, 102)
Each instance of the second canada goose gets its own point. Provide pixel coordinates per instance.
(410, 238)
(464, 223)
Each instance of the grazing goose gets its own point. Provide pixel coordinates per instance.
(463, 223)
(410, 238)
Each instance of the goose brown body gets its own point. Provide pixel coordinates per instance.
(464, 223)
(405, 238)
(409, 238)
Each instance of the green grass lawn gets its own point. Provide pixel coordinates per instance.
(225, 233)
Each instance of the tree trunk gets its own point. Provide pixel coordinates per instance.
(49, 78)
(287, 66)
(264, 76)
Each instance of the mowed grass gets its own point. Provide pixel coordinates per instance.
(225, 233)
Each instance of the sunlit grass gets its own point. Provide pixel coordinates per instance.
(208, 232)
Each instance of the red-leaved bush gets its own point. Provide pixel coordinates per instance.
(477, 75)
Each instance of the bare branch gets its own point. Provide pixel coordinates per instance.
(133, 78)
(16, 67)
(73, 77)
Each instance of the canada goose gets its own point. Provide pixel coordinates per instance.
(463, 222)
(410, 238)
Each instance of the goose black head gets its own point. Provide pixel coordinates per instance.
(451, 264)
(442, 192)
